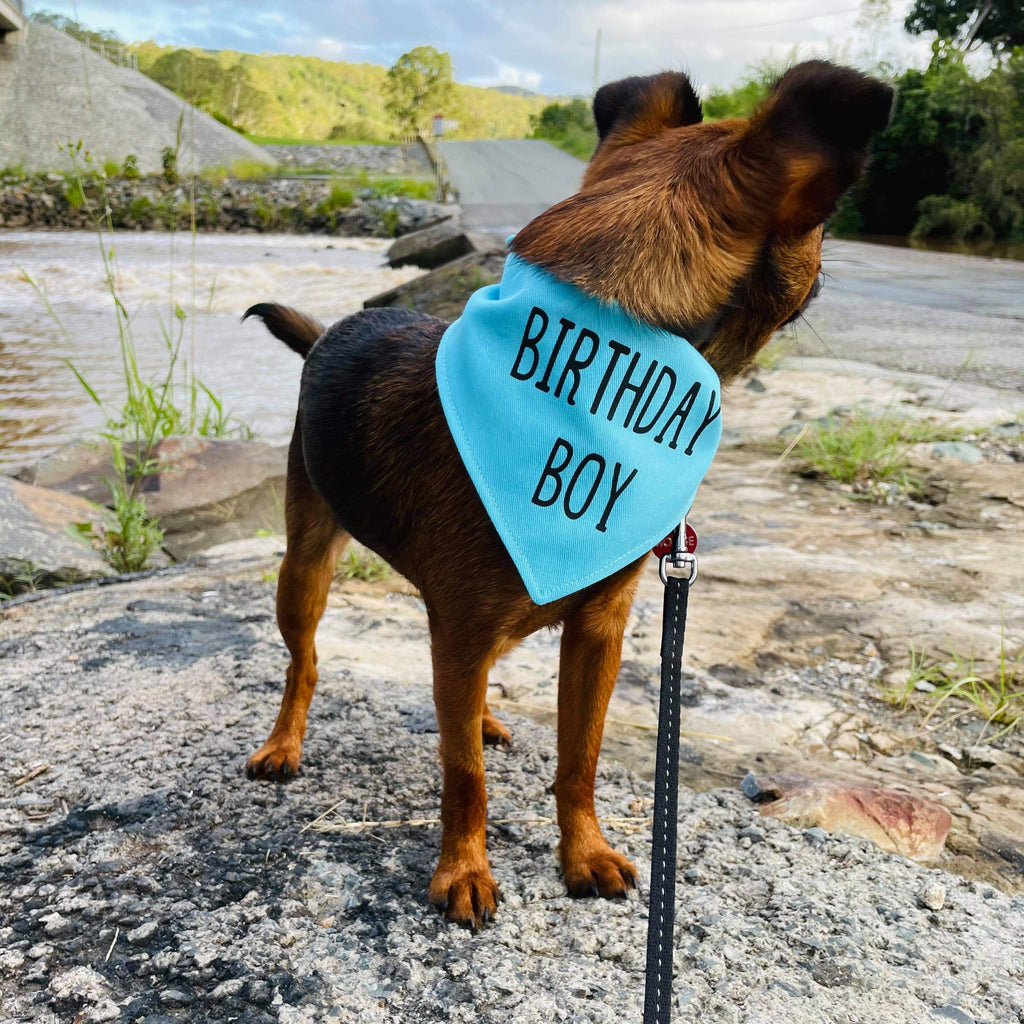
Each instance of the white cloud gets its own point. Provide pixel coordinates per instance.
(508, 75)
(329, 49)
(542, 45)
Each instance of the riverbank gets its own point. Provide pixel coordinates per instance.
(263, 205)
(142, 876)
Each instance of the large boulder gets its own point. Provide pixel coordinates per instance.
(206, 492)
(40, 544)
(443, 292)
(430, 247)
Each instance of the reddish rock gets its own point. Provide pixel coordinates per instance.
(39, 544)
(896, 822)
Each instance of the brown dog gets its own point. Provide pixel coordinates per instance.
(712, 231)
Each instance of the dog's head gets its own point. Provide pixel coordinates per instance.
(711, 230)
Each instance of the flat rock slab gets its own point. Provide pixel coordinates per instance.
(208, 491)
(142, 878)
(443, 292)
(38, 544)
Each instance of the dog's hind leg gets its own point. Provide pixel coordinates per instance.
(462, 888)
(495, 734)
(590, 654)
(314, 543)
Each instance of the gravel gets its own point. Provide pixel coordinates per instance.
(143, 879)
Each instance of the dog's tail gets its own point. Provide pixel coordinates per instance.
(298, 331)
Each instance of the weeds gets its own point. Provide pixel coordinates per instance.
(998, 698)
(169, 154)
(137, 536)
(360, 564)
(863, 451)
(176, 401)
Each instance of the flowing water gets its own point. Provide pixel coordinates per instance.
(213, 278)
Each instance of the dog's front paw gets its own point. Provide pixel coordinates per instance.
(599, 871)
(276, 760)
(465, 893)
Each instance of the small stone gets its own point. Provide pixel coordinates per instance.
(54, 923)
(932, 896)
(815, 836)
(176, 997)
(960, 450)
(953, 1013)
(142, 932)
(228, 988)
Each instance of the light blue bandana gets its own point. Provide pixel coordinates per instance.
(585, 431)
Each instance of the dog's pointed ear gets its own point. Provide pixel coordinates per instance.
(634, 109)
(818, 120)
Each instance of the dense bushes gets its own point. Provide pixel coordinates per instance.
(951, 161)
(569, 126)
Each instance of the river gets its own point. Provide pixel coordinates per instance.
(956, 316)
(213, 278)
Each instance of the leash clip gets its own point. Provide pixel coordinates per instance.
(678, 562)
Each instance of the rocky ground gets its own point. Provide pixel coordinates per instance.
(232, 204)
(145, 880)
(409, 159)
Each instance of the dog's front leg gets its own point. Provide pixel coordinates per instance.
(462, 887)
(590, 655)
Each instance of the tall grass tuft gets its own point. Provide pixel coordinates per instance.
(997, 696)
(862, 450)
(173, 401)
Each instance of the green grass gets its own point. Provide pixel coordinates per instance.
(172, 402)
(244, 170)
(862, 449)
(382, 185)
(358, 563)
(997, 697)
(769, 357)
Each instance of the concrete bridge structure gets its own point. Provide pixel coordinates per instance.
(12, 20)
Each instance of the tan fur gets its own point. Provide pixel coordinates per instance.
(712, 231)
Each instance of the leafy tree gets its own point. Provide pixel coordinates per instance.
(418, 86)
(951, 161)
(753, 87)
(225, 93)
(998, 24)
(568, 125)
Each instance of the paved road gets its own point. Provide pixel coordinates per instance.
(505, 183)
(960, 317)
(954, 316)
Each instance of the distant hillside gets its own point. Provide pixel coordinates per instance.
(290, 97)
(513, 90)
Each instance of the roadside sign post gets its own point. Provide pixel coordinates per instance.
(438, 134)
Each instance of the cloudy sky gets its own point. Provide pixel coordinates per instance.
(544, 45)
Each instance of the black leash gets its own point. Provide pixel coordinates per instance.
(678, 569)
